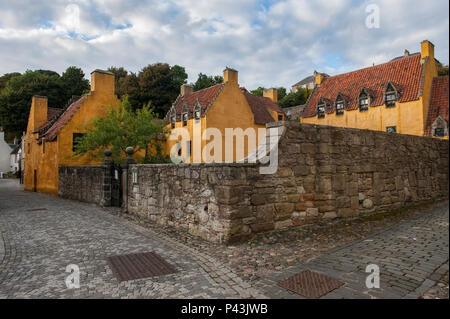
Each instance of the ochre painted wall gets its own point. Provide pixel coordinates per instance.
(42, 161)
(229, 110)
(408, 117)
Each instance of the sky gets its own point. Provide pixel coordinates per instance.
(271, 43)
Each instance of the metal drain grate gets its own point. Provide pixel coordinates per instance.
(35, 209)
(310, 284)
(139, 265)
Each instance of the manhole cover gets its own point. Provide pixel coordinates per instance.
(310, 284)
(139, 265)
(35, 209)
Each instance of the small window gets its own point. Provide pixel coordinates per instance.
(321, 109)
(439, 132)
(173, 120)
(364, 101)
(185, 119)
(280, 117)
(76, 140)
(391, 129)
(390, 95)
(197, 115)
(340, 105)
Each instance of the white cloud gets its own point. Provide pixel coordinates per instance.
(270, 43)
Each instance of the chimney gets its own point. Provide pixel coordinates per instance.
(406, 53)
(318, 77)
(186, 89)
(230, 75)
(102, 81)
(271, 94)
(427, 49)
(39, 106)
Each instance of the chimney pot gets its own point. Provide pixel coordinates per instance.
(406, 53)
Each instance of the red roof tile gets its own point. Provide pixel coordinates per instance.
(53, 112)
(205, 97)
(51, 133)
(404, 73)
(260, 107)
(438, 105)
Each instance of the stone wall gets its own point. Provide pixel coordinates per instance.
(323, 173)
(83, 183)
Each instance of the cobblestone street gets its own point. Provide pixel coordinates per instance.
(42, 234)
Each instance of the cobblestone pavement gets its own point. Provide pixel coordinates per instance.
(37, 245)
(412, 258)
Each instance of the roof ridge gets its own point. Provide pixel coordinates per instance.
(373, 66)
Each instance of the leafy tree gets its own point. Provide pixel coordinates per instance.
(160, 84)
(259, 91)
(281, 92)
(73, 82)
(293, 99)
(129, 86)
(120, 128)
(5, 78)
(442, 69)
(204, 81)
(119, 74)
(15, 98)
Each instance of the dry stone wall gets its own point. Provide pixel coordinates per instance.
(82, 183)
(323, 173)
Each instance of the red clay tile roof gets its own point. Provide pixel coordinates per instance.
(260, 107)
(53, 112)
(438, 105)
(405, 74)
(51, 133)
(205, 97)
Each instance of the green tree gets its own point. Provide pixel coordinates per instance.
(259, 91)
(281, 93)
(293, 99)
(73, 82)
(129, 86)
(119, 74)
(15, 98)
(120, 128)
(5, 78)
(160, 84)
(204, 81)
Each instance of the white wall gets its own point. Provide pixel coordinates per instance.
(5, 152)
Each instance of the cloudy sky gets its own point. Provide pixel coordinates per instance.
(270, 43)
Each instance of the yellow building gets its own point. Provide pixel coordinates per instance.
(51, 133)
(218, 109)
(391, 97)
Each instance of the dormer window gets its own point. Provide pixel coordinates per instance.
(363, 100)
(184, 115)
(321, 109)
(340, 105)
(173, 118)
(390, 95)
(197, 111)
